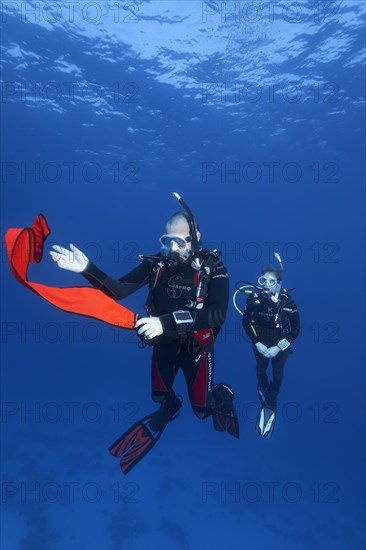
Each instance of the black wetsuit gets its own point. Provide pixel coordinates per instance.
(268, 322)
(173, 287)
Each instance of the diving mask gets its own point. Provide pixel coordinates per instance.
(267, 282)
(173, 241)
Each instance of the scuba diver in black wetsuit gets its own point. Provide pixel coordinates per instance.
(186, 306)
(271, 320)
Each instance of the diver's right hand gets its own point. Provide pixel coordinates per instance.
(262, 349)
(72, 260)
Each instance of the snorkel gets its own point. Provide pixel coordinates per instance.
(279, 281)
(192, 231)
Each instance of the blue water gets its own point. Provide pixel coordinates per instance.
(254, 113)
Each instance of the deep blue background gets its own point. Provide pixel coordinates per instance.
(170, 96)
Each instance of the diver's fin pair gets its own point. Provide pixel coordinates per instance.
(224, 416)
(136, 442)
(267, 414)
(265, 422)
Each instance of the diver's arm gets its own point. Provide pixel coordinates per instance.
(119, 288)
(75, 260)
(294, 318)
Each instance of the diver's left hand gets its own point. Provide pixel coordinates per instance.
(273, 351)
(149, 327)
(72, 260)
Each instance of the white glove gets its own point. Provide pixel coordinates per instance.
(263, 350)
(150, 327)
(273, 351)
(72, 260)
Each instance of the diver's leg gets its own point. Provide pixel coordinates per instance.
(163, 371)
(207, 398)
(261, 372)
(197, 364)
(278, 363)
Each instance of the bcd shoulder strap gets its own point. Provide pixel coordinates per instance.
(205, 273)
(156, 271)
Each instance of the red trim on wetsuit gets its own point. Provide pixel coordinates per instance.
(158, 274)
(202, 384)
(156, 378)
(198, 391)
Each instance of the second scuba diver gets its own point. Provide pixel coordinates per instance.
(186, 306)
(271, 320)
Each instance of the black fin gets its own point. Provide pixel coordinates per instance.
(224, 417)
(135, 443)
